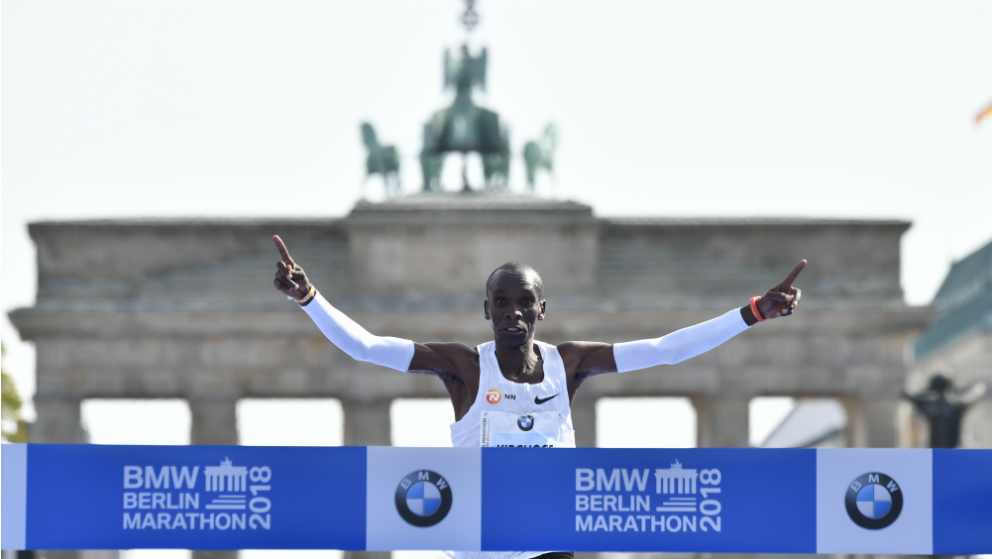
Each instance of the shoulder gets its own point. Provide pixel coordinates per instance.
(587, 358)
(581, 348)
(454, 350)
(461, 356)
(451, 359)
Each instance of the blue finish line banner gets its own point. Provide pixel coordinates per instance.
(900, 501)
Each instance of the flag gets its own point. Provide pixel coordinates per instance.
(986, 113)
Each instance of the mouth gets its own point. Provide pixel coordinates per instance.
(514, 330)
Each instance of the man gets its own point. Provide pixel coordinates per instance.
(514, 390)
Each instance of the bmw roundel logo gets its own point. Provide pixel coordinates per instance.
(423, 498)
(873, 501)
(525, 422)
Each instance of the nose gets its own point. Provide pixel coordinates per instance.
(514, 313)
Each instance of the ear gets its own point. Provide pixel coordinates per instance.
(544, 310)
(485, 309)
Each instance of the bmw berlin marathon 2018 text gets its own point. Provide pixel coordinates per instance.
(705, 500)
(620, 500)
(169, 497)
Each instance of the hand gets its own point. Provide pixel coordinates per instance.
(290, 278)
(782, 299)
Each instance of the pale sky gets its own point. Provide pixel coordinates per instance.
(236, 108)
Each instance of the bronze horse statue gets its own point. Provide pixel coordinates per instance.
(382, 160)
(465, 127)
(540, 154)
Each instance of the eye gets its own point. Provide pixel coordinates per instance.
(528, 302)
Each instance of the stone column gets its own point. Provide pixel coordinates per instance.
(722, 421)
(366, 424)
(584, 421)
(58, 421)
(856, 431)
(215, 421)
(215, 554)
(872, 422)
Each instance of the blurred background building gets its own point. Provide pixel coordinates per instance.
(186, 310)
(958, 344)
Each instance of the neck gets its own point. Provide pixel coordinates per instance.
(517, 362)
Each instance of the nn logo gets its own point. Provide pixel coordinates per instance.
(873, 501)
(423, 498)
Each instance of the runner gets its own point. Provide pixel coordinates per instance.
(515, 390)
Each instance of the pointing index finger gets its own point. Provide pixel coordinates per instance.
(793, 275)
(286, 258)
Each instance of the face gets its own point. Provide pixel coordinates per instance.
(513, 307)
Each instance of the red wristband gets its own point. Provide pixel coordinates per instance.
(754, 309)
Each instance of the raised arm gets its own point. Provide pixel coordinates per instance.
(972, 394)
(351, 338)
(342, 331)
(584, 359)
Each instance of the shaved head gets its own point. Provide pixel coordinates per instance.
(517, 269)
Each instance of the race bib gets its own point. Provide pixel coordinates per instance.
(536, 429)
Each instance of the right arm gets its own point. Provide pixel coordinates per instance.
(351, 338)
(357, 342)
(395, 353)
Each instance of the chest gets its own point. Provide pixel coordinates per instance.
(539, 390)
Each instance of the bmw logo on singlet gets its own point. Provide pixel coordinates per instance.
(423, 498)
(873, 501)
(525, 422)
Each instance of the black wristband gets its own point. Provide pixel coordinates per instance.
(305, 300)
(748, 316)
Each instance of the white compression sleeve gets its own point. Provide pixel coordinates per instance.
(357, 342)
(679, 345)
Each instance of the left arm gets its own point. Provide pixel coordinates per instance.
(585, 359)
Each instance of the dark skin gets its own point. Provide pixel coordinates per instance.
(513, 306)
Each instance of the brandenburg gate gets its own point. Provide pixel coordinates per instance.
(186, 309)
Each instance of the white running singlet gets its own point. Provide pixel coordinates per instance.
(507, 413)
